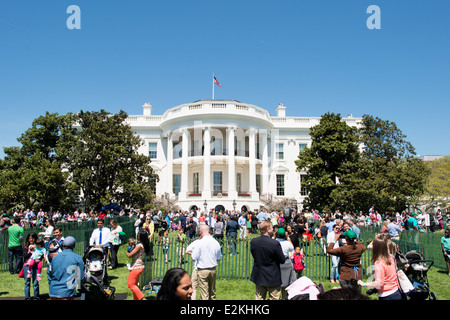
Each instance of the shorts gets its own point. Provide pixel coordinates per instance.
(447, 256)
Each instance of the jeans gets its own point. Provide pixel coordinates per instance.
(28, 283)
(114, 261)
(334, 274)
(16, 252)
(232, 244)
(395, 296)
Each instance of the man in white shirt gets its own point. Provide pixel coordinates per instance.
(242, 221)
(206, 253)
(427, 221)
(100, 236)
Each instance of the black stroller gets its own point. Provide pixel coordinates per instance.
(96, 287)
(416, 270)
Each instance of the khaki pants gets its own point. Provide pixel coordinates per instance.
(194, 280)
(207, 283)
(261, 293)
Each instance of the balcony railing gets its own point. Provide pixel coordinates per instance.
(219, 194)
(177, 154)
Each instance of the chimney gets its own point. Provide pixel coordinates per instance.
(281, 111)
(147, 109)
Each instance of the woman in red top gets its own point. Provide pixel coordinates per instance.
(385, 272)
(202, 218)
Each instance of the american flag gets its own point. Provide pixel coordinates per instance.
(217, 82)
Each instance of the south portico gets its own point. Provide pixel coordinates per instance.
(225, 153)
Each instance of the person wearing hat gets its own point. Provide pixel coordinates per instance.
(411, 222)
(67, 272)
(350, 258)
(288, 275)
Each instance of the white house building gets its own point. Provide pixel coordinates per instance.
(225, 153)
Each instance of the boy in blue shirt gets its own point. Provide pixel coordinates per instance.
(445, 244)
(67, 273)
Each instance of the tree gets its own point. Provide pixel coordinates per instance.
(102, 157)
(437, 190)
(388, 174)
(31, 175)
(385, 174)
(333, 150)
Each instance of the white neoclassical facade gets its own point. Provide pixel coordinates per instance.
(225, 153)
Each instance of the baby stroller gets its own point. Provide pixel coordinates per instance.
(416, 270)
(164, 225)
(96, 287)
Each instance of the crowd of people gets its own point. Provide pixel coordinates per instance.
(278, 257)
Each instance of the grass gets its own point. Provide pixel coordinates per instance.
(12, 286)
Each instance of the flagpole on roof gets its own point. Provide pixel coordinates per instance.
(213, 86)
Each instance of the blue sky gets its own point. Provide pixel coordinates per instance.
(312, 56)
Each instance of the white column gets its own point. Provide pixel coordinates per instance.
(206, 193)
(265, 164)
(231, 164)
(169, 164)
(252, 163)
(184, 165)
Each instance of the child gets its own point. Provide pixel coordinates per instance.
(131, 245)
(37, 257)
(181, 238)
(297, 259)
(164, 243)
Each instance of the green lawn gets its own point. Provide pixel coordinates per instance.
(12, 286)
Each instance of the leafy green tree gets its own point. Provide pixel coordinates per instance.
(385, 173)
(333, 150)
(31, 175)
(437, 190)
(388, 175)
(102, 157)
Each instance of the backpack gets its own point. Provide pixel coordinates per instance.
(298, 262)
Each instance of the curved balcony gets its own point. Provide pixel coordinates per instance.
(217, 109)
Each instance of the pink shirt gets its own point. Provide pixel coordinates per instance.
(386, 280)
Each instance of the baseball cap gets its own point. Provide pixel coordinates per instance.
(281, 232)
(350, 234)
(69, 242)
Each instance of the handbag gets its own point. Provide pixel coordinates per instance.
(405, 285)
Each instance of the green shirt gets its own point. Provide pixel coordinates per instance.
(446, 242)
(15, 232)
(411, 223)
(183, 238)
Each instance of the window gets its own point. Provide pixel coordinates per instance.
(280, 184)
(176, 183)
(238, 182)
(258, 183)
(196, 182)
(279, 153)
(303, 190)
(301, 146)
(217, 181)
(217, 147)
(153, 181)
(152, 150)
